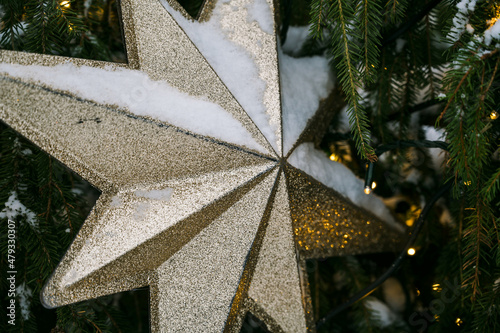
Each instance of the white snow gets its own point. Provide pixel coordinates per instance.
(135, 91)
(14, 208)
(380, 311)
(24, 294)
(304, 82)
(461, 20)
(260, 12)
(116, 201)
(400, 43)
(492, 32)
(437, 154)
(163, 195)
(232, 63)
(338, 177)
(295, 39)
(496, 284)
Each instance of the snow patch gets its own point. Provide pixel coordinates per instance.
(136, 92)
(380, 311)
(260, 11)
(437, 154)
(163, 195)
(14, 208)
(304, 82)
(492, 32)
(24, 294)
(295, 39)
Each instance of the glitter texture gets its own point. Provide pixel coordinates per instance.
(326, 224)
(262, 46)
(214, 230)
(276, 269)
(189, 287)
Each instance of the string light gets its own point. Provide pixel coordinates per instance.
(493, 115)
(459, 322)
(374, 185)
(368, 178)
(65, 4)
(334, 157)
(436, 287)
(467, 183)
(418, 292)
(411, 251)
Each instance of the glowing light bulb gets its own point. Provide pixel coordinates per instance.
(374, 185)
(411, 251)
(459, 322)
(467, 183)
(436, 287)
(368, 190)
(65, 4)
(493, 115)
(334, 157)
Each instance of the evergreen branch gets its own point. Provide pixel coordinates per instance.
(450, 100)
(491, 190)
(349, 77)
(370, 23)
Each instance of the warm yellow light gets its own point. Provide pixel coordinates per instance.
(493, 115)
(411, 251)
(368, 190)
(374, 185)
(65, 4)
(467, 183)
(334, 157)
(458, 322)
(409, 222)
(436, 287)
(418, 292)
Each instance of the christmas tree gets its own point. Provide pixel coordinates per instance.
(408, 92)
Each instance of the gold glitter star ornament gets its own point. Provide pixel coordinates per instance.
(189, 145)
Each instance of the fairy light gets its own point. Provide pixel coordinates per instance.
(65, 4)
(467, 183)
(334, 157)
(418, 292)
(411, 251)
(459, 322)
(493, 115)
(436, 287)
(368, 190)
(374, 185)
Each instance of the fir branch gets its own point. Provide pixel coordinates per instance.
(370, 23)
(346, 52)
